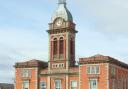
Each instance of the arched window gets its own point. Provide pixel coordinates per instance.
(61, 46)
(55, 46)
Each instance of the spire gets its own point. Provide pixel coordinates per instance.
(62, 1)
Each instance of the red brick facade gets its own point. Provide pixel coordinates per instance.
(61, 71)
(110, 70)
(111, 74)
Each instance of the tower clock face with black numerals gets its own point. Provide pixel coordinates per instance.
(59, 22)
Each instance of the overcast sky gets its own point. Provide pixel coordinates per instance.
(102, 26)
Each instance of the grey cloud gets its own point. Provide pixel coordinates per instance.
(6, 63)
(6, 69)
(109, 15)
(9, 55)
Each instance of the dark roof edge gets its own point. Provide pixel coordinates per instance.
(31, 63)
(102, 59)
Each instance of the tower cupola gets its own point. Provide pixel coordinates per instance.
(62, 12)
(61, 38)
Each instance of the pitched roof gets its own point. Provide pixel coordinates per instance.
(102, 59)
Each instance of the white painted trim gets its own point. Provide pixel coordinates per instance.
(28, 83)
(96, 82)
(67, 83)
(59, 82)
(55, 36)
(93, 64)
(91, 68)
(42, 81)
(73, 81)
(48, 85)
(61, 36)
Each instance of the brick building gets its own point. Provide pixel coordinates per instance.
(61, 71)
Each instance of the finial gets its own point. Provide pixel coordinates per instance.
(62, 1)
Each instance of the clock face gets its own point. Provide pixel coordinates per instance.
(59, 22)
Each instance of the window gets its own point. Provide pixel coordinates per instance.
(42, 85)
(88, 70)
(97, 69)
(57, 84)
(61, 45)
(25, 73)
(118, 85)
(55, 49)
(61, 48)
(93, 69)
(113, 83)
(58, 65)
(113, 70)
(73, 84)
(125, 84)
(25, 84)
(93, 84)
(55, 46)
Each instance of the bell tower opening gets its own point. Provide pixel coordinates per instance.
(61, 48)
(55, 48)
(61, 38)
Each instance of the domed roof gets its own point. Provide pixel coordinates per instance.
(62, 12)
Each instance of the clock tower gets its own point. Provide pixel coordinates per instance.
(61, 38)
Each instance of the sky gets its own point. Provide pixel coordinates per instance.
(102, 26)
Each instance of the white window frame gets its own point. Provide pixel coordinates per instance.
(26, 73)
(58, 65)
(89, 69)
(71, 84)
(25, 81)
(55, 87)
(93, 79)
(42, 87)
(113, 70)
